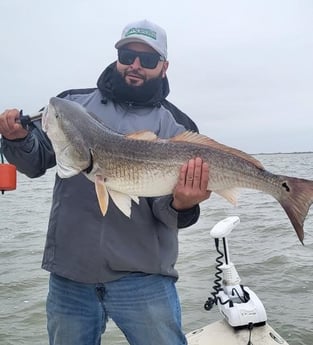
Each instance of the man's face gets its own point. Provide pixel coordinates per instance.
(134, 74)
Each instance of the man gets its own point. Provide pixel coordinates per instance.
(113, 266)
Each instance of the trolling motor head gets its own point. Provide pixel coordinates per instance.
(237, 303)
(224, 227)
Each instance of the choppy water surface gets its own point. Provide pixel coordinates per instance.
(264, 247)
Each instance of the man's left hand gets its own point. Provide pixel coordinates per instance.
(192, 185)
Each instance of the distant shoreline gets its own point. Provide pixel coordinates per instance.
(281, 153)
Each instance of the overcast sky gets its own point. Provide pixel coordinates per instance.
(243, 70)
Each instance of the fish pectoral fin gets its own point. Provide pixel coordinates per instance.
(102, 194)
(229, 194)
(122, 201)
(142, 135)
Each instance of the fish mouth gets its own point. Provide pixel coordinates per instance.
(50, 112)
(44, 118)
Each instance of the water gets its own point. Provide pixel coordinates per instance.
(264, 247)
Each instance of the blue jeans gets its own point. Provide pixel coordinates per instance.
(145, 307)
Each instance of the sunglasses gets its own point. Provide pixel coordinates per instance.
(147, 60)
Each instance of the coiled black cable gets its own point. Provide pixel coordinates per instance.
(217, 282)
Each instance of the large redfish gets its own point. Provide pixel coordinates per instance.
(127, 167)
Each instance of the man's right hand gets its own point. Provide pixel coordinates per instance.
(9, 127)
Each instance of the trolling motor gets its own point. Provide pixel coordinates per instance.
(237, 303)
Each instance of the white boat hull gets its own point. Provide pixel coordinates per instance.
(220, 333)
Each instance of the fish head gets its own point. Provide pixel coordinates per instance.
(60, 112)
(63, 121)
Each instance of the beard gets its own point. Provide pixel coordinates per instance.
(124, 92)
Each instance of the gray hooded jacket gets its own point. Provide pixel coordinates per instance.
(81, 244)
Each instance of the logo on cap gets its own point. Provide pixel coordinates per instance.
(141, 31)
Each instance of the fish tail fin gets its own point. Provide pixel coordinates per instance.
(296, 201)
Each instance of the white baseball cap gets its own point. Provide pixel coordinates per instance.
(145, 32)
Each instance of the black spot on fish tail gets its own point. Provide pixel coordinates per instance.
(285, 185)
(89, 168)
(296, 201)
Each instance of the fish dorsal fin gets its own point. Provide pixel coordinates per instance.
(142, 135)
(200, 139)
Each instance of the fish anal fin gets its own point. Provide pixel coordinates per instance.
(102, 194)
(142, 135)
(122, 201)
(229, 194)
(135, 199)
(200, 139)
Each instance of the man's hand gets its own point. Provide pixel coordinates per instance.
(192, 184)
(9, 128)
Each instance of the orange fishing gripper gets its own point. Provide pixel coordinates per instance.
(7, 177)
(7, 174)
